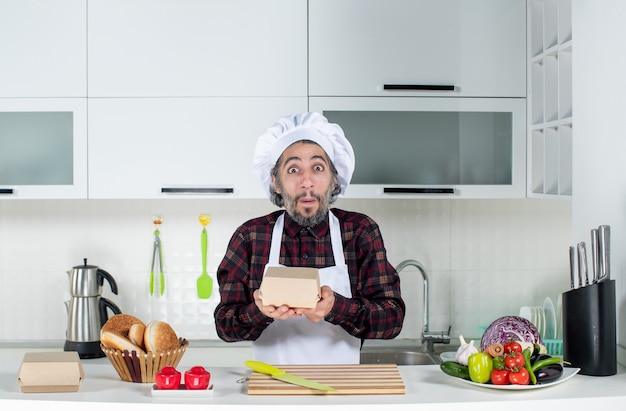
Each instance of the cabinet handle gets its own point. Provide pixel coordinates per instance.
(6, 191)
(409, 190)
(198, 190)
(420, 87)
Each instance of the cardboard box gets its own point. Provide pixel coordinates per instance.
(50, 372)
(297, 287)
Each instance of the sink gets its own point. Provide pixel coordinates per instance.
(399, 357)
(404, 354)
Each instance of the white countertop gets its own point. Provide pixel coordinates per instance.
(425, 384)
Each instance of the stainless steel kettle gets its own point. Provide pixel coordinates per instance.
(87, 280)
(87, 311)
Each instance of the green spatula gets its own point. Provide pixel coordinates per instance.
(205, 282)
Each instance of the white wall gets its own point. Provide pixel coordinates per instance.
(599, 104)
(486, 258)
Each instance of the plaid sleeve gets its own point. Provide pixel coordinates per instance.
(376, 309)
(237, 318)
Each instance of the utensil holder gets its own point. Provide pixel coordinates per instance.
(589, 337)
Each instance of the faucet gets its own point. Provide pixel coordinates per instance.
(429, 338)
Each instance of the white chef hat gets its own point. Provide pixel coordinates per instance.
(305, 126)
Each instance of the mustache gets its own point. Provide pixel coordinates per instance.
(308, 194)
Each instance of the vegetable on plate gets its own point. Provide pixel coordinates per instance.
(519, 377)
(511, 352)
(464, 351)
(480, 366)
(455, 369)
(510, 328)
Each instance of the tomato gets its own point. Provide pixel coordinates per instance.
(512, 346)
(520, 377)
(500, 377)
(514, 361)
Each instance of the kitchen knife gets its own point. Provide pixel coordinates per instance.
(281, 375)
(595, 256)
(572, 265)
(604, 252)
(582, 264)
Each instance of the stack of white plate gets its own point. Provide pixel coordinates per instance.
(535, 315)
(543, 317)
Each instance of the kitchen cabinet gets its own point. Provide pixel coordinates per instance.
(550, 99)
(432, 147)
(453, 48)
(43, 45)
(191, 48)
(179, 147)
(43, 148)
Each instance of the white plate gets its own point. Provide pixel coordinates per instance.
(526, 312)
(182, 392)
(448, 356)
(548, 308)
(567, 374)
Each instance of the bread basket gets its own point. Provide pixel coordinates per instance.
(134, 367)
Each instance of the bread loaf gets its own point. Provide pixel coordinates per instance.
(160, 336)
(136, 333)
(126, 332)
(120, 323)
(112, 339)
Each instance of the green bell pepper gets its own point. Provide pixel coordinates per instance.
(480, 366)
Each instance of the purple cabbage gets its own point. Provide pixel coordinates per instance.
(510, 327)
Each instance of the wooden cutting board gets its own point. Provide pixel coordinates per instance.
(362, 379)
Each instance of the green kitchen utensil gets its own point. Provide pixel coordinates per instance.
(205, 282)
(157, 257)
(282, 375)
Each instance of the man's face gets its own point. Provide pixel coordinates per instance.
(305, 182)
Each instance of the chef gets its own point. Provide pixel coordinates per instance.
(305, 163)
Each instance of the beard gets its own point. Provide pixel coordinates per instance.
(304, 220)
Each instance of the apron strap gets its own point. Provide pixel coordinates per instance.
(277, 236)
(335, 240)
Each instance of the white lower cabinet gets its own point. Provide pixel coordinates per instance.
(152, 148)
(43, 148)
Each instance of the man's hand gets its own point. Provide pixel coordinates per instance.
(322, 308)
(315, 314)
(278, 313)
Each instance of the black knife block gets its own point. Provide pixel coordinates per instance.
(589, 337)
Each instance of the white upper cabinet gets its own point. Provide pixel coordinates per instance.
(432, 147)
(191, 48)
(475, 48)
(43, 48)
(179, 147)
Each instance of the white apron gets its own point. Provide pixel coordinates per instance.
(298, 340)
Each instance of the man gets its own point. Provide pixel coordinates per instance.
(305, 163)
